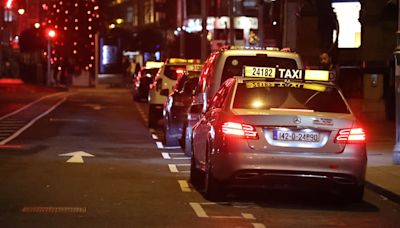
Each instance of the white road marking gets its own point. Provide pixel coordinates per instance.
(258, 225)
(165, 156)
(184, 186)
(154, 136)
(159, 145)
(198, 210)
(248, 216)
(181, 158)
(77, 156)
(17, 133)
(173, 168)
(172, 147)
(29, 105)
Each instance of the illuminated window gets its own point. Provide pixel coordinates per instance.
(148, 12)
(350, 28)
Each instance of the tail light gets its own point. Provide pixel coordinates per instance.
(350, 135)
(241, 130)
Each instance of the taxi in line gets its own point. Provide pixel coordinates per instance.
(272, 127)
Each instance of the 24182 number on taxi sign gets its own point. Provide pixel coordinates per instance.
(259, 72)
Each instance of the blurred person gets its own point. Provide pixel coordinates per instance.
(326, 62)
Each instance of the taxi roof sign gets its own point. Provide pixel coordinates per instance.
(181, 60)
(153, 64)
(287, 74)
(194, 67)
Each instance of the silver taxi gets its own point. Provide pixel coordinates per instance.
(279, 127)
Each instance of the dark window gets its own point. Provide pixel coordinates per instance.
(152, 72)
(327, 99)
(234, 64)
(174, 71)
(190, 85)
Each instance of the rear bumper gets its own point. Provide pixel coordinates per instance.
(240, 165)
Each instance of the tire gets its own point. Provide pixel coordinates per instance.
(168, 139)
(187, 143)
(152, 117)
(196, 176)
(213, 188)
(354, 195)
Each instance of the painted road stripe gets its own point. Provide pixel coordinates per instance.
(32, 122)
(198, 210)
(258, 225)
(159, 145)
(165, 156)
(248, 216)
(54, 210)
(184, 186)
(29, 105)
(154, 136)
(172, 147)
(173, 168)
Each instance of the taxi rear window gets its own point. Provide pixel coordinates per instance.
(174, 71)
(234, 64)
(321, 99)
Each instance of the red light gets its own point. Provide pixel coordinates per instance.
(180, 71)
(242, 130)
(51, 33)
(9, 4)
(350, 135)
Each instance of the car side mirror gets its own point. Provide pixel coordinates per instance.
(164, 92)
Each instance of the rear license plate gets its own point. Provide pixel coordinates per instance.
(300, 136)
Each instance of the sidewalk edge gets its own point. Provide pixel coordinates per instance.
(382, 191)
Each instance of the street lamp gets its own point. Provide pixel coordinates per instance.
(51, 34)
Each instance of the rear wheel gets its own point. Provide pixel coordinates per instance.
(152, 116)
(187, 141)
(168, 139)
(354, 194)
(213, 188)
(196, 176)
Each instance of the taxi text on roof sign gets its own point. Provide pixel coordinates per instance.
(283, 74)
(263, 84)
(194, 67)
(153, 64)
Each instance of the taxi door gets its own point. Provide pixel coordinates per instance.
(204, 131)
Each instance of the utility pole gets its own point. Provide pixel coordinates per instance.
(231, 24)
(182, 31)
(203, 30)
(261, 22)
(396, 150)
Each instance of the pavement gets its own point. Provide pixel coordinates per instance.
(383, 176)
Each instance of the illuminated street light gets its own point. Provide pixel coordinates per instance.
(21, 11)
(36, 25)
(51, 34)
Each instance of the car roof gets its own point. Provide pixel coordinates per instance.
(253, 52)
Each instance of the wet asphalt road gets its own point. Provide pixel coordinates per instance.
(127, 179)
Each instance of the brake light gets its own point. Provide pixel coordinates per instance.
(241, 130)
(180, 71)
(350, 135)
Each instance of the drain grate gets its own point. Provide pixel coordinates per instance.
(54, 210)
